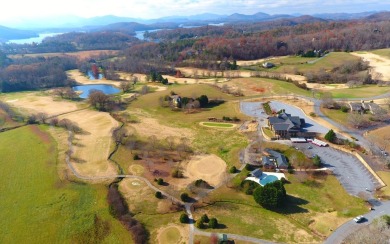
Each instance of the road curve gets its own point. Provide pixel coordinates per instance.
(350, 227)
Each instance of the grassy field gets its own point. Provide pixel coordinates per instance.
(364, 91)
(329, 62)
(266, 87)
(214, 124)
(225, 144)
(313, 209)
(385, 176)
(39, 208)
(336, 115)
(382, 52)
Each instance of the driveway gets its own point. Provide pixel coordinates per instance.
(351, 173)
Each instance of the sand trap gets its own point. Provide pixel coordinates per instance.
(210, 168)
(379, 64)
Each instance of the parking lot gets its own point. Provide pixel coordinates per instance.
(351, 173)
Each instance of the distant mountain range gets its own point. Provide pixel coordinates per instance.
(129, 25)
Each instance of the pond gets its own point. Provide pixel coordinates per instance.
(85, 89)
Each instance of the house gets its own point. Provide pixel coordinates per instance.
(362, 107)
(356, 108)
(286, 126)
(274, 159)
(175, 101)
(268, 65)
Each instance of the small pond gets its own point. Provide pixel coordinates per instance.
(85, 89)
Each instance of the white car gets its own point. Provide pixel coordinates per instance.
(358, 218)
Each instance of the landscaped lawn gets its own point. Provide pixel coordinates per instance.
(37, 207)
(268, 132)
(336, 115)
(214, 124)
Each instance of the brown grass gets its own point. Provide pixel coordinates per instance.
(34, 103)
(210, 168)
(91, 148)
(82, 55)
(82, 79)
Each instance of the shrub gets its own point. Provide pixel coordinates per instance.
(312, 114)
(136, 157)
(233, 170)
(158, 195)
(176, 173)
(330, 136)
(184, 197)
(204, 218)
(160, 181)
(184, 218)
(317, 161)
(199, 224)
(213, 223)
(344, 109)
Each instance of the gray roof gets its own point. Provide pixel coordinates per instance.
(257, 173)
(356, 106)
(287, 122)
(266, 162)
(281, 160)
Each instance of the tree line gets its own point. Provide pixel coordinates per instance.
(36, 73)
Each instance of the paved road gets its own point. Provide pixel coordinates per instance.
(349, 227)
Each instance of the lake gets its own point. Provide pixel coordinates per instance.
(85, 89)
(34, 39)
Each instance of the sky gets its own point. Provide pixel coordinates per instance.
(14, 11)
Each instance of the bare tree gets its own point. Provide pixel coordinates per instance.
(357, 120)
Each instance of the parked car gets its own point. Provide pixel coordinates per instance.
(309, 147)
(359, 219)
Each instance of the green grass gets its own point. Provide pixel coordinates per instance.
(332, 60)
(171, 235)
(214, 124)
(268, 132)
(336, 115)
(318, 205)
(37, 207)
(385, 176)
(382, 52)
(360, 92)
(225, 144)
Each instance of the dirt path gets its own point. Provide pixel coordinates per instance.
(379, 64)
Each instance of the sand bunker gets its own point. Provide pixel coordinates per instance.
(210, 168)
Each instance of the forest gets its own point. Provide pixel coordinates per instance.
(210, 47)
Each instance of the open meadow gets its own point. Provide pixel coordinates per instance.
(38, 207)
